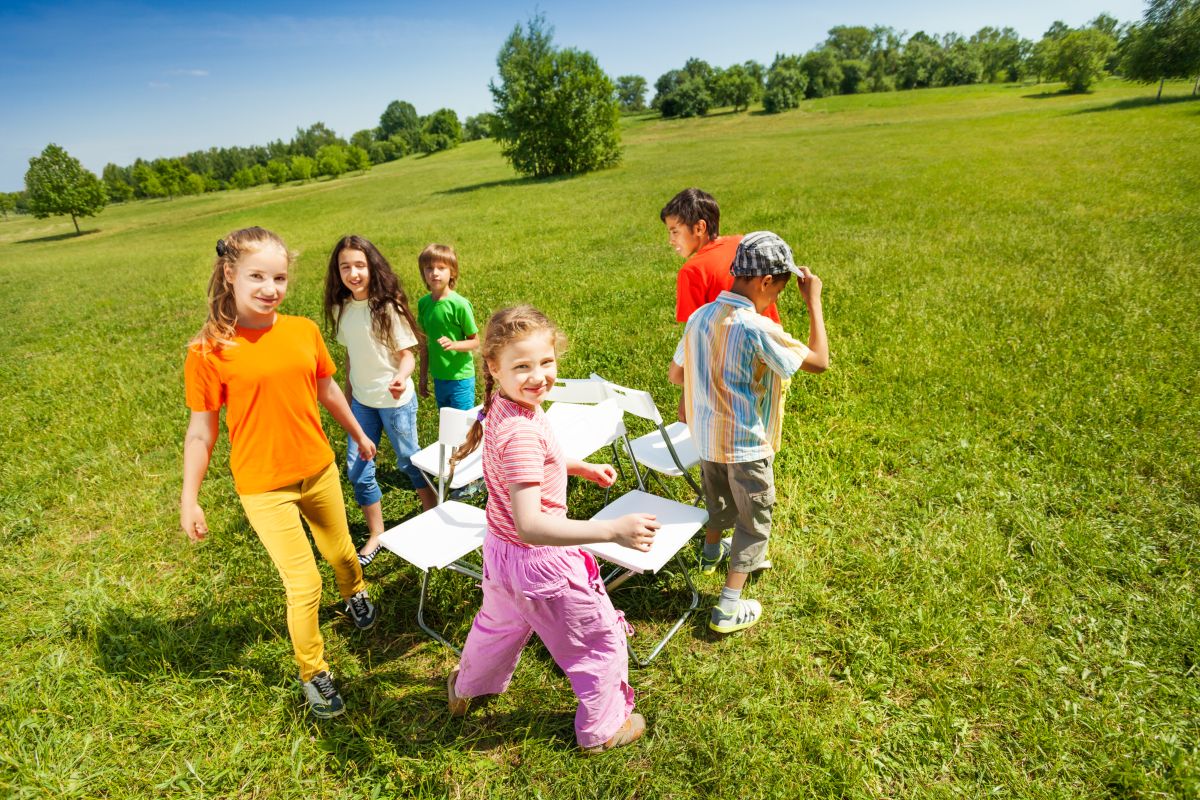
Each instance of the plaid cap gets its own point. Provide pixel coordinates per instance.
(762, 253)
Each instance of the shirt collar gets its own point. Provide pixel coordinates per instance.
(508, 408)
(734, 299)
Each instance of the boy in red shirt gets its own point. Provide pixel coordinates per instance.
(693, 221)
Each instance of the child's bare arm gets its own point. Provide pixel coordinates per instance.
(462, 346)
(818, 345)
(406, 363)
(329, 394)
(534, 527)
(197, 450)
(603, 475)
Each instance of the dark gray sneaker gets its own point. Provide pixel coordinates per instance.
(322, 696)
(362, 611)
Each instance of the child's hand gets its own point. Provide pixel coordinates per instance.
(366, 448)
(603, 475)
(191, 519)
(396, 388)
(446, 342)
(635, 531)
(808, 284)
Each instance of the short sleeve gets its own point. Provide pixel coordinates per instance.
(781, 352)
(689, 292)
(202, 383)
(402, 332)
(467, 321)
(679, 350)
(522, 451)
(325, 365)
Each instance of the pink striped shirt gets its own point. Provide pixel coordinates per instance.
(519, 447)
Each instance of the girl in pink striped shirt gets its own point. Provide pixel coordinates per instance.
(536, 579)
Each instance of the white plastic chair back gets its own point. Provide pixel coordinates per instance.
(454, 425)
(633, 401)
(577, 390)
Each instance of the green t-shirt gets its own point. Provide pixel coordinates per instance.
(451, 316)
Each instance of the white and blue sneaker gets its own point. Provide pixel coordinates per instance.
(744, 615)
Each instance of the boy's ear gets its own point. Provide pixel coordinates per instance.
(700, 228)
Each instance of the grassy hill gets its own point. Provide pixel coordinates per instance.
(985, 549)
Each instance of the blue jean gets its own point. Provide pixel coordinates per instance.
(458, 394)
(401, 426)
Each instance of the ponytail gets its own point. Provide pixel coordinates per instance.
(475, 435)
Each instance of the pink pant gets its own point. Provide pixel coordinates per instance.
(555, 592)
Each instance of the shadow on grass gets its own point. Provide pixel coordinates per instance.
(58, 237)
(1052, 95)
(1139, 102)
(528, 181)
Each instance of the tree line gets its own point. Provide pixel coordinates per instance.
(854, 59)
(557, 112)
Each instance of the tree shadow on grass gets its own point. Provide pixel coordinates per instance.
(526, 181)
(1138, 102)
(1051, 95)
(58, 237)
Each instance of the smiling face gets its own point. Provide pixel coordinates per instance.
(526, 368)
(355, 272)
(686, 239)
(259, 281)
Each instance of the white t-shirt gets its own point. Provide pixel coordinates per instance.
(372, 366)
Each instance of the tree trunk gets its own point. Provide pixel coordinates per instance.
(77, 231)
(1196, 86)
(1160, 85)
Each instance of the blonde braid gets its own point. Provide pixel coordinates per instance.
(475, 435)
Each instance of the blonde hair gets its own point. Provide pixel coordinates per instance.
(503, 328)
(439, 254)
(220, 327)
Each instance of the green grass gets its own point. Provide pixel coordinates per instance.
(985, 545)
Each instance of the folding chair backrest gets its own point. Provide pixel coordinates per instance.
(454, 425)
(634, 401)
(577, 390)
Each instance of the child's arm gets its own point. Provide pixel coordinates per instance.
(329, 394)
(466, 345)
(197, 449)
(817, 359)
(603, 475)
(534, 527)
(407, 362)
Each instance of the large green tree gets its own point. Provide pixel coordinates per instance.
(1080, 56)
(1166, 44)
(631, 93)
(58, 184)
(556, 110)
(786, 82)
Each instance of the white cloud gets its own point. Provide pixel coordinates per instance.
(192, 73)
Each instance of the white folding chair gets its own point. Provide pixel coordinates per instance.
(434, 459)
(443, 536)
(669, 450)
(679, 524)
(586, 419)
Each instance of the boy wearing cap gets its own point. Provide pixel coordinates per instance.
(734, 364)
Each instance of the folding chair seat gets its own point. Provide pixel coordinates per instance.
(443, 536)
(679, 523)
(668, 450)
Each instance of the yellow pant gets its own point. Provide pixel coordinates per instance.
(275, 517)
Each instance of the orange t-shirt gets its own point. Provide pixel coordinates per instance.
(705, 275)
(268, 383)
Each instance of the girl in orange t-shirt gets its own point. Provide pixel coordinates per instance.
(270, 370)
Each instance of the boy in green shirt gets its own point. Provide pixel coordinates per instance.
(450, 330)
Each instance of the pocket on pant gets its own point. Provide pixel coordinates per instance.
(544, 579)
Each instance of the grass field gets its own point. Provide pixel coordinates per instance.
(986, 557)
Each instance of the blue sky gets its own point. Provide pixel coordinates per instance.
(112, 81)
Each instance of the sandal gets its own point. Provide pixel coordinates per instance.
(457, 705)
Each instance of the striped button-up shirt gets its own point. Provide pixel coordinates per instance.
(736, 365)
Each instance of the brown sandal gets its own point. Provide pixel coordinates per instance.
(457, 705)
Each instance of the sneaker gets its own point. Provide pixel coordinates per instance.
(457, 705)
(322, 696)
(628, 733)
(746, 614)
(362, 611)
(708, 567)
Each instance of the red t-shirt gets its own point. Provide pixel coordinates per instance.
(705, 275)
